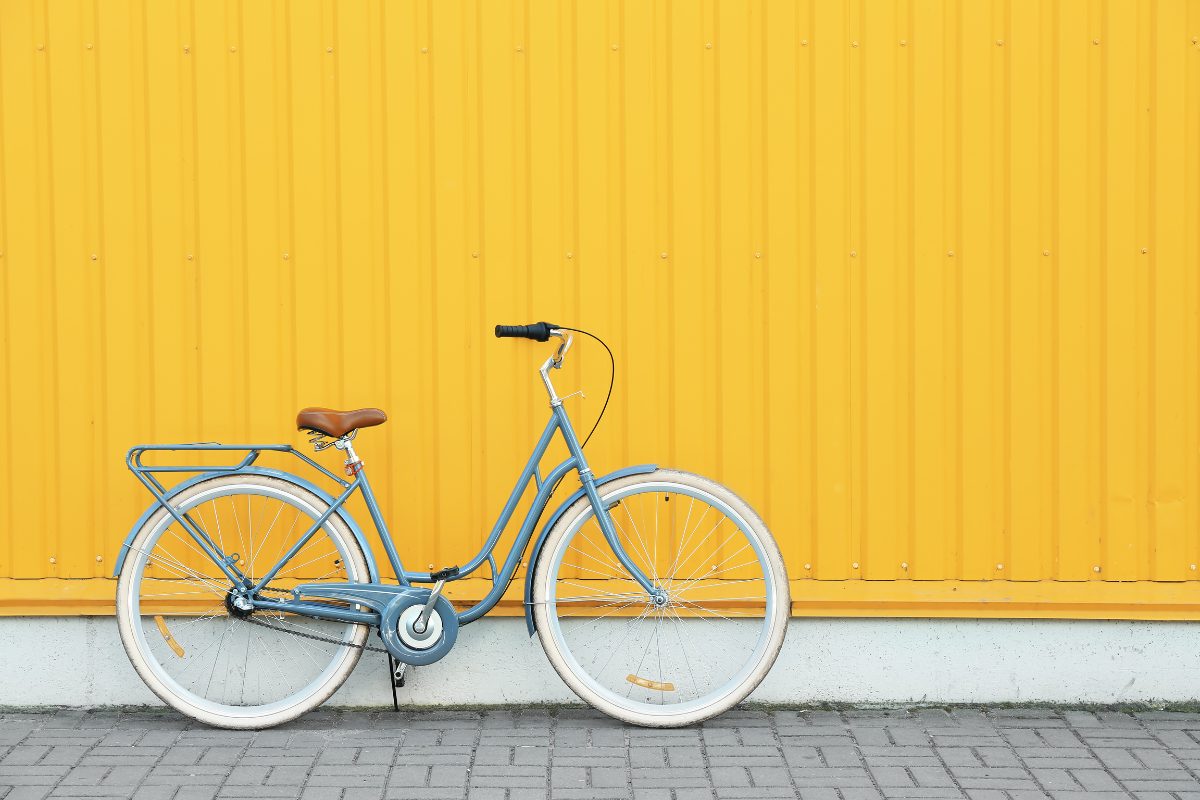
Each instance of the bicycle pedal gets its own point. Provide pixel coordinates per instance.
(447, 574)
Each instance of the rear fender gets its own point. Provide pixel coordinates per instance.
(372, 569)
(639, 469)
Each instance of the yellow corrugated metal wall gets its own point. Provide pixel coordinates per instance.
(919, 279)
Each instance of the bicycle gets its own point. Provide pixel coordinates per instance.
(659, 596)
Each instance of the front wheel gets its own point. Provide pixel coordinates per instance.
(670, 663)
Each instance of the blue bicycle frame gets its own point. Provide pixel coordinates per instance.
(559, 422)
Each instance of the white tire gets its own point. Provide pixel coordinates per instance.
(601, 690)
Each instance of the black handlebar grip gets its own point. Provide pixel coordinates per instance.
(538, 331)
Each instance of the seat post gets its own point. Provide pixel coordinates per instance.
(354, 464)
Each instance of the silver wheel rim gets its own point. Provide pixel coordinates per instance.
(138, 558)
(719, 694)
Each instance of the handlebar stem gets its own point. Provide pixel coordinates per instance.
(555, 362)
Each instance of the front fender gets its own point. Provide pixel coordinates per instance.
(372, 569)
(639, 469)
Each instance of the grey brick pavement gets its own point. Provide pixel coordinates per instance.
(983, 754)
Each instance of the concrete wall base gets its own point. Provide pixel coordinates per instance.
(79, 661)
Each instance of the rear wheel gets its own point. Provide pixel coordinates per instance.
(185, 634)
(687, 658)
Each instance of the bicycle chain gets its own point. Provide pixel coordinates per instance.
(318, 637)
(315, 636)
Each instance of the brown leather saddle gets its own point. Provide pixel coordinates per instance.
(338, 423)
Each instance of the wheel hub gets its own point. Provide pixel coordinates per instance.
(238, 605)
(414, 636)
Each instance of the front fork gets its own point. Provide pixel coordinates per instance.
(657, 595)
(607, 527)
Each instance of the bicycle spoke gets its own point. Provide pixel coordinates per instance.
(595, 620)
(180, 569)
(604, 562)
(305, 564)
(640, 541)
(238, 523)
(704, 539)
(267, 535)
(683, 648)
(714, 571)
(687, 536)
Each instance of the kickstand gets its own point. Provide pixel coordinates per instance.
(396, 678)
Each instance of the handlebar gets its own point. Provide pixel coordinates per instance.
(538, 331)
(541, 332)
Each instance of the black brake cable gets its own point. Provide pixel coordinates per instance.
(612, 378)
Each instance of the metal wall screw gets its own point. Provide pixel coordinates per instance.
(474, 254)
(1144, 251)
(424, 49)
(328, 49)
(854, 254)
(999, 43)
(94, 256)
(808, 566)
(1096, 568)
(99, 558)
(88, 45)
(190, 256)
(903, 565)
(1193, 567)
(1045, 252)
(53, 560)
(804, 42)
(570, 254)
(904, 42)
(950, 253)
(616, 47)
(1095, 41)
(41, 47)
(286, 255)
(186, 49)
(758, 254)
(520, 49)
(999, 566)
(233, 48)
(663, 254)
(854, 44)
(854, 565)
(708, 45)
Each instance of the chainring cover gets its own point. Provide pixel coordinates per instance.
(393, 617)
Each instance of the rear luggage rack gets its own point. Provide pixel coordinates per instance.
(146, 473)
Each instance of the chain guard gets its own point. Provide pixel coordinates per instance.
(389, 602)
